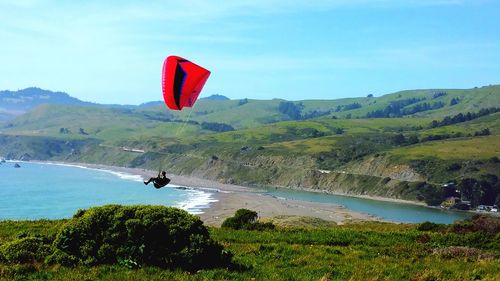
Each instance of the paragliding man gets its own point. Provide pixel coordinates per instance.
(160, 181)
(182, 82)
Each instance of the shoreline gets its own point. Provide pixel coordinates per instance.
(233, 197)
(225, 199)
(368, 197)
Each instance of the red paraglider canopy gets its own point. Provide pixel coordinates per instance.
(182, 82)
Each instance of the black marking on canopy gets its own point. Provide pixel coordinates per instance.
(179, 77)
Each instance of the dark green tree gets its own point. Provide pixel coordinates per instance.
(137, 235)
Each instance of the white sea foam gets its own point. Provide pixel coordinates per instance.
(198, 200)
(209, 189)
(124, 176)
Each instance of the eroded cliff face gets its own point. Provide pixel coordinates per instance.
(383, 166)
(302, 173)
(373, 176)
(261, 171)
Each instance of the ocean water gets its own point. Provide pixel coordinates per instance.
(53, 191)
(390, 211)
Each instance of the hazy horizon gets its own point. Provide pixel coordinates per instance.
(210, 95)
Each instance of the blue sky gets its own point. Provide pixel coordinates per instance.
(112, 51)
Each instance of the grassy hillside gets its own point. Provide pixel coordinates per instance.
(454, 149)
(101, 123)
(406, 157)
(314, 251)
(257, 112)
(247, 113)
(468, 100)
(251, 113)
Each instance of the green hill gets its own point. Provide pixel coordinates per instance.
(307, 144)
(101, 123)
(250, 113)
(246, 113)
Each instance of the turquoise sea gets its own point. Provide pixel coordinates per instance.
(54, 191)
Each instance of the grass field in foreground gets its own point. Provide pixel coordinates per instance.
(366, 251)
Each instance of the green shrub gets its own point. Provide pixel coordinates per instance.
(137, 235)
(24, 250)
(428, 226)
(62, 258)
(478, 223)
(260, 226)
(246, 216)
(246, 219)
(17, 271)
(241, 219)
(231, 222)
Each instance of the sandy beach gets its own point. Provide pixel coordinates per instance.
(233, 197)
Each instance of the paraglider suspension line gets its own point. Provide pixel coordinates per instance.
(179, 130)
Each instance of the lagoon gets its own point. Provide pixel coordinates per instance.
(389, 211)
